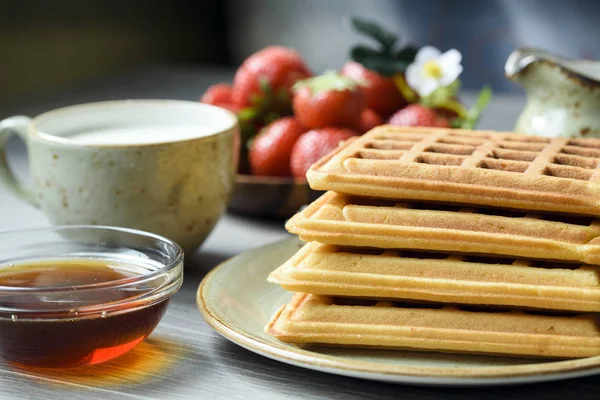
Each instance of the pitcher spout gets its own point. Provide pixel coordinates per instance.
(521, 58)
(586, 72)
(563, 95)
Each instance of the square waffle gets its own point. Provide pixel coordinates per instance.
(357, 221)
(324, 320)
(438, 277)
(498, 169)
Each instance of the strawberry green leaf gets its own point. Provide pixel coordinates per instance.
(263, 84)
(270, 117)
(330, 80)
(362, 54)
(250, 141)
(383, 65)
(247, 114)
(407, 54)
(373, 30)
(282, 95)
(385, 60)
(444, 97)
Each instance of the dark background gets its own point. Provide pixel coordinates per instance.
(48, 45)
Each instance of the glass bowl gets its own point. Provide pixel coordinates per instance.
(68, 325)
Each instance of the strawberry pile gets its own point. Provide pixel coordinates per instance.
(289, 118)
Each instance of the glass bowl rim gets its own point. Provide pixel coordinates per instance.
(177, 259)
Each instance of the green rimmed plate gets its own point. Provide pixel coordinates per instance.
(236, 299)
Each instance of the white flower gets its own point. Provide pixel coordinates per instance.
(432, 69)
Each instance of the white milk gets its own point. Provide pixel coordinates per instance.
(132, 135)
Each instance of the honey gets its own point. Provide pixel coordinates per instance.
(51, 312)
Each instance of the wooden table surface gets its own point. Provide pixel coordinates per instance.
(184, 358)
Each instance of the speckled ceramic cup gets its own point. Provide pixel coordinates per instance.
(173, 184)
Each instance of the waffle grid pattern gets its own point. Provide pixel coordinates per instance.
(564, 158)
(486, 168)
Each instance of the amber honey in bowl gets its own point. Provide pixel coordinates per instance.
(49, 331)
(81, 295)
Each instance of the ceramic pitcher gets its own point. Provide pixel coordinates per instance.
(563, 95)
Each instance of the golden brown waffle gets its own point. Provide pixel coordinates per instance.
(362, 222)
(323, 320)
(437, 277)
(471, 167)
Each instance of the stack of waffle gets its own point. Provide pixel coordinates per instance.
(449, 240)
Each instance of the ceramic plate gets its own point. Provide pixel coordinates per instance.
(237, 301)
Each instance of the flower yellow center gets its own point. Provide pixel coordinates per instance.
(432, 69)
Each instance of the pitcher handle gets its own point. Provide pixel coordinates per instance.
(8, 127)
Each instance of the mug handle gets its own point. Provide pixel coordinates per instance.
(13, 126)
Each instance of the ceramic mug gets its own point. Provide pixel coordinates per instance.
(161, 166)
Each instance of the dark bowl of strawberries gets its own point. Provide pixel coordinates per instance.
(270, 197)
(290, 118)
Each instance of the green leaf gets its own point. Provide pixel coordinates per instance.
(248, 132)
(263, 84)
(373, 30)
(250, 140)
(282, 98)
(383, 65)
(456, 123)
(400, 66)
(453, 88)
(361, 54)
(270, 117)
(407, 54)
(474, 114)
(247, 114)
(482, 101)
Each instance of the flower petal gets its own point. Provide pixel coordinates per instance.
(427, 87)
(452, 56)
(426, 53)
(450, 73)
(414, 76)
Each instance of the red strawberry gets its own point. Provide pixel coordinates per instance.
(381, 92)
(270, 151)
(275, 67)
(219, 93)
(369, 119)
(315, 144)
(418, 115)
(328, 100)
